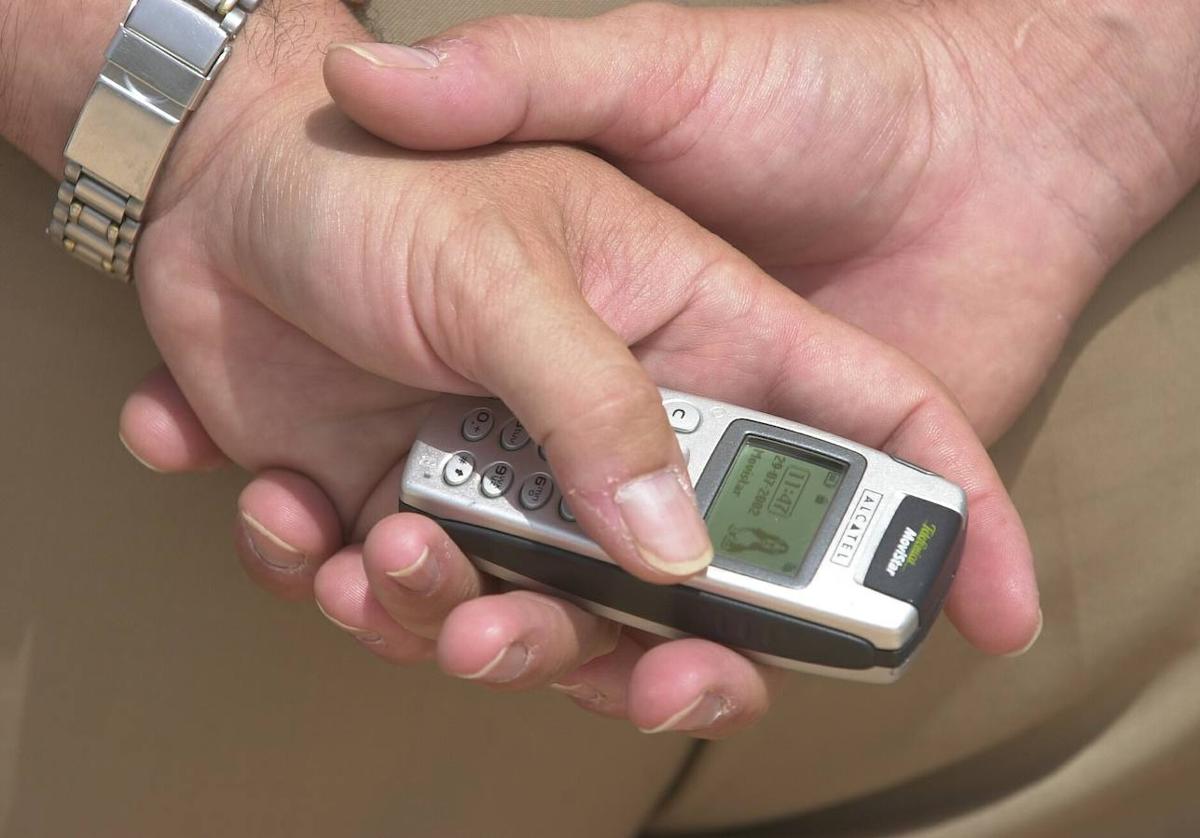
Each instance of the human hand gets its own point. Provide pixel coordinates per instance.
(310, 323)
(953, 178)
(273, 397)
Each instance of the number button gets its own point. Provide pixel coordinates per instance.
(459, 470)
(684, 416)
(565, 512)
(536, 491)
(513, 436)
(496, 480)
(478, 425)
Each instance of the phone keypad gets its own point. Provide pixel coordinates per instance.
(496, 480)
(536, 491)
(459, 469)
(564, 512)
(513, 436)
(683, 416)
(478, 424)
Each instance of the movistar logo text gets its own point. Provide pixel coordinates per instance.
(911, 546)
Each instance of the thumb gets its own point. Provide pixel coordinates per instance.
(620, 80)
(581, 394)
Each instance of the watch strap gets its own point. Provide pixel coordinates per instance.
(159, 67)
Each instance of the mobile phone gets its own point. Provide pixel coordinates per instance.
(830, 557)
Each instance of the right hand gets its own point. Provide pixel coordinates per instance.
(931, 172)
(311, 289)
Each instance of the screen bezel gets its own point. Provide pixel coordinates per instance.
(793, 444)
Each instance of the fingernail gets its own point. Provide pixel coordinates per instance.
(701, 714)
(133, 454)
(585, 693)
(420, 577)
(362, 635)
(270, 549)
(1041, 624)
(393, 55)
(661, 515)
(507, 666)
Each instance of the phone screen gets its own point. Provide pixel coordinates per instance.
(770, 505)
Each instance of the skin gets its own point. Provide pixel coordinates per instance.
(338, 305)
(330, 423)
(853, 155)
(930, 172)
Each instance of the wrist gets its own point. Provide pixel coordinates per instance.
(273, 69)
(54, 51)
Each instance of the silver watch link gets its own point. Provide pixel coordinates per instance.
(159, 67)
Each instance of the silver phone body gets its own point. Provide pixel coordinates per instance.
(833, 595)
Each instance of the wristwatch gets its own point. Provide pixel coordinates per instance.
(160, 65)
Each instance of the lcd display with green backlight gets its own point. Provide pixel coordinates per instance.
(770, 506)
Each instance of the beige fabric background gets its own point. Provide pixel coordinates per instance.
(146, 689)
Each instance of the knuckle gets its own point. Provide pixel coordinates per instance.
(445, 251)
(621, 401)
(481, 239)
(489, 263)
(479, 259)
(502, 34)
(616, 241)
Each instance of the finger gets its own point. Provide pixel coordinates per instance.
(994, 600)
(834, 377)
(285, 529)
(521, 640)
(696, 687)
(343, 595)
(820, 371)
(417, 573)
(620, 80)
(537, 344)
(161, 431)
(533, 340)
(601, 685)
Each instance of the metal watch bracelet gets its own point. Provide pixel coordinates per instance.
(159, 66)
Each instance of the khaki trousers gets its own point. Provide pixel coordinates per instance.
(147, 690)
